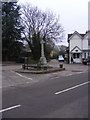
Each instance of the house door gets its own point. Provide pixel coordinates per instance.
(76, 57)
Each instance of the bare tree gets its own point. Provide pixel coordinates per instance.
(40, 25)
(46, 23)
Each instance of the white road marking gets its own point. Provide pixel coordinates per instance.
(75, 73)
(10, 108)
(71, 88)
(68, 75)
(22, 75)
(54, 77)
(82, 72)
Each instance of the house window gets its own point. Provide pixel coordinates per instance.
(76, 50)
(88, 54)
(74, 55)
(84, 55)
(88, 42)
(77, 55)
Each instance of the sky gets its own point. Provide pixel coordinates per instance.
(73, 13)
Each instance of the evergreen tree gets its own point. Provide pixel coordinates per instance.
(36, 52)
(11, 30)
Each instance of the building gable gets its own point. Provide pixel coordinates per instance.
(75, 34)
(76, 49)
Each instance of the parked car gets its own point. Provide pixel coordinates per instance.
(60, 58)
(86, 61)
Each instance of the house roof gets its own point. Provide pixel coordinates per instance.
(87, 33)
(82, 35)
(71, 35)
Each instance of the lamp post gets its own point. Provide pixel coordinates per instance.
(43, 60)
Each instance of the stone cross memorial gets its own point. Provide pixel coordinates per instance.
(43, 58)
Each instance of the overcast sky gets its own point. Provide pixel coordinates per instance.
(73, 13)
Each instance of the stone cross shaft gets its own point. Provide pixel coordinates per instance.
(42, 48)
(43, 60)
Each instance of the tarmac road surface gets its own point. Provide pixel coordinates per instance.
(60, 97)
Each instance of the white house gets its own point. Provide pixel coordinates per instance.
(79, 46)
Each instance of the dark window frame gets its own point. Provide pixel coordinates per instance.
(89, 42)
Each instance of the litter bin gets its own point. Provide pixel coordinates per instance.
(25, 60)
(61, 65)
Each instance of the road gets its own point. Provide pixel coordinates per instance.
(50, 97)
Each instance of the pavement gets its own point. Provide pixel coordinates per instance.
(12, 78)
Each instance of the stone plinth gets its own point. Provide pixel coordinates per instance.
(43, 61)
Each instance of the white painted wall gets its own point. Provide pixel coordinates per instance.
(89, 15)
(75, 41)
(85, 43)
(76, 49)
(81, 43)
